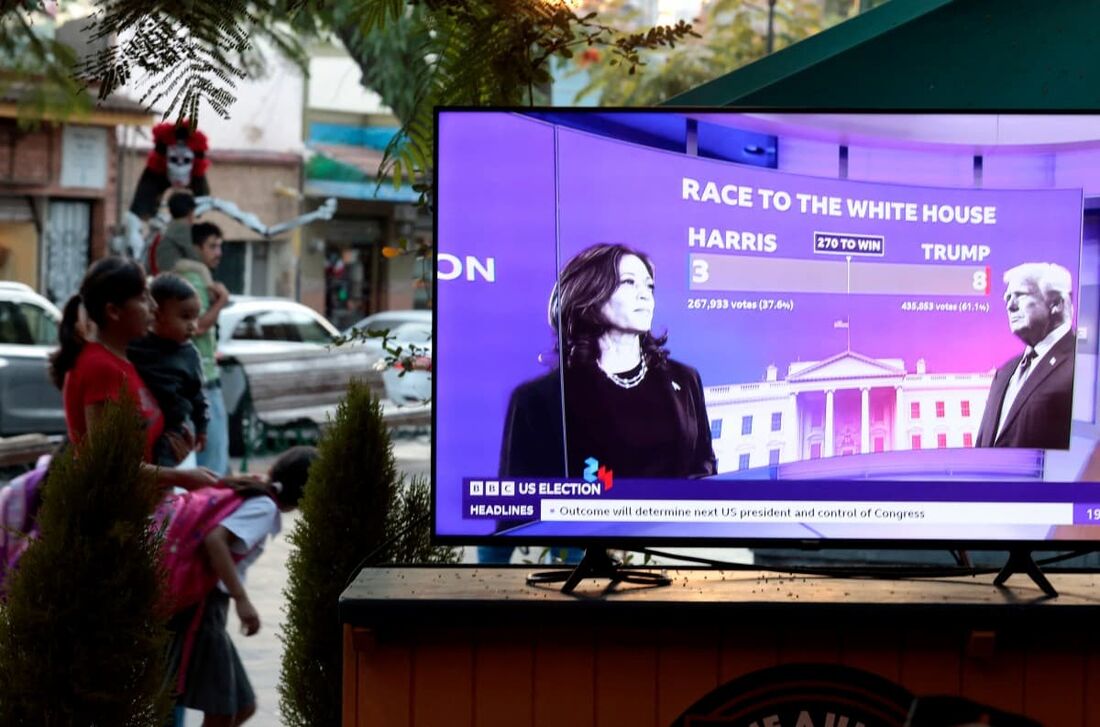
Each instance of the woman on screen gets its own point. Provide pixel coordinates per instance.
(627, 405)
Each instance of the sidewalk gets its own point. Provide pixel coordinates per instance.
(262, 653)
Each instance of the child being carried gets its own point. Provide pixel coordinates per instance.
(170, 366)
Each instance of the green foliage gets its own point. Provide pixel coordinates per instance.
(417, 54)
(498, 53)
(734, 33)
(79, 640)
(38, 70)
(185, 53)
(391, 45)
(357, 511)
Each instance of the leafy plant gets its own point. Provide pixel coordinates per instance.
(734, 33)
(37, 69)
(420, 54)
(80, 640)
(357, 511)
(183, 52)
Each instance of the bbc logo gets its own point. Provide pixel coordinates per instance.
(492, 488)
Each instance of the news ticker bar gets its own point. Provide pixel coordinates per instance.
(745, 274)
(823, 511)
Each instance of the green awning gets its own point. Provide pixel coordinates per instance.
(930, 54)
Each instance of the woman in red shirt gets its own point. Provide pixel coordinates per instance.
(93, 369)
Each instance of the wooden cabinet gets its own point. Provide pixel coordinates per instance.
(476, 646)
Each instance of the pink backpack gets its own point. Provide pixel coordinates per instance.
(19, 502)
(188, 519)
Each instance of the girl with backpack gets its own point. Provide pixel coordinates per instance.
(212, 537)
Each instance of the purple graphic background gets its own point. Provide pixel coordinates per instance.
(636, 199)
(496, 199)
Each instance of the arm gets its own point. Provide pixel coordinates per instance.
(188, 479)
(217, 544)
(195, 393)
(219, 296)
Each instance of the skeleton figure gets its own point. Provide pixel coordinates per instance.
(177, 160)
(181, 161)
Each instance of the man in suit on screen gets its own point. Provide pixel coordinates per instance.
(1031, 399)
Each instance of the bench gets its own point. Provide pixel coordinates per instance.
(279, 401)
(19, 453)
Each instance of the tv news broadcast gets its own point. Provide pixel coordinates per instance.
(637, 340)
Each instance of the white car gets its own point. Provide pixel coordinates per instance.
(388, 320)
(294, 372)
(406, 386)
(29, 402)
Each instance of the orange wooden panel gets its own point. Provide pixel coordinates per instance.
(997, 681)
(876, 649)
(565, 678)
(931, 662)
(442, 682)
(1091, 681)
(385, 684)
(626, 679)
(746, 649)
(804, 644)
(504, 688)
(1054, 681)
(687, 670)
(350, 682)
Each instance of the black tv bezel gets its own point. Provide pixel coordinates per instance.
(505, 539)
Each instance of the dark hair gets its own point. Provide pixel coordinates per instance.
(584, 285)
(166, 287)
(291, 469)
(201, 232)
(180, 205)
(109, 281)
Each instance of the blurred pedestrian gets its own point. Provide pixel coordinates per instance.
(214, 680)
(174, 243)
(206, 240)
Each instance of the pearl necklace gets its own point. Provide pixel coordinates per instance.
(632, 381)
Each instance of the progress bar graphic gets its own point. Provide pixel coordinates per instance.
(726, 273)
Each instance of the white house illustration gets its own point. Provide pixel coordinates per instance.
(846, 404)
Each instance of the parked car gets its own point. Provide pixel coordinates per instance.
(388, 320)
(294, 373)
(410, 385)
(29, 402)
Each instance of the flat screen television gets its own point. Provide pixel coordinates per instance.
(758, 328)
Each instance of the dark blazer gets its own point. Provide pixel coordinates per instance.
(534, 443)
(1040, 414)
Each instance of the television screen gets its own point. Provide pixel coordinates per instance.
(758, 327)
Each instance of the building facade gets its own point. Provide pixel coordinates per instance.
(359, 262)
(846, 404)
(59, 193)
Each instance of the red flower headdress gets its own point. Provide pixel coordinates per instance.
(168, 134)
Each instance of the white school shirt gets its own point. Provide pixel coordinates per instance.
(256, 519)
